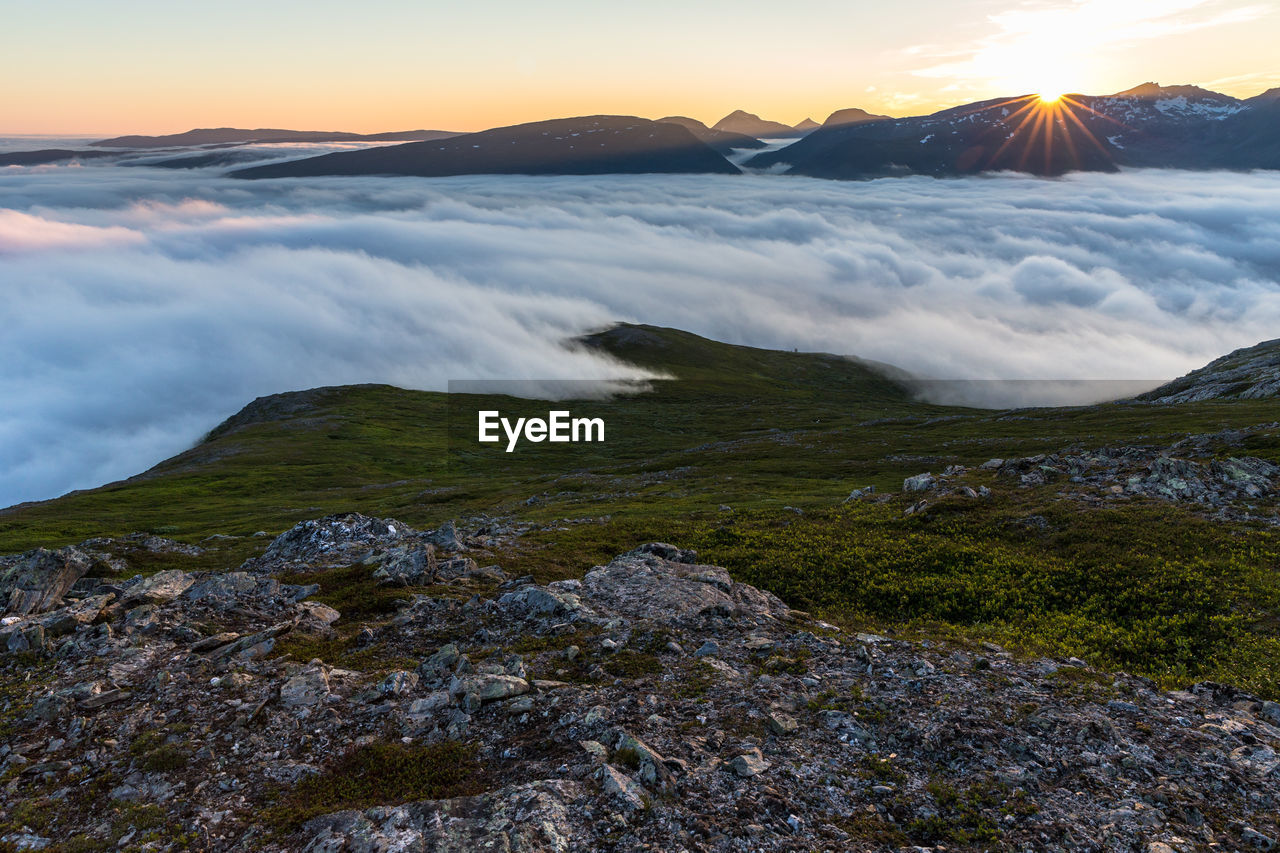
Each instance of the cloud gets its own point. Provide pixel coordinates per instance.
(141, 306)
(1050, 47)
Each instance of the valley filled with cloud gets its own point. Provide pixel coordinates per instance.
(143, 306)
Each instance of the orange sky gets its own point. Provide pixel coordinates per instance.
(144, 66)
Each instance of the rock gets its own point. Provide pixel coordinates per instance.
(332, 540)
(442, 663)
(538, 601)
(650, 767)
(710, 648)
(1256, 839)
(398, 683)
(919, 483)
(222, 588)
(865, 491)
(307, 688)
(628, 793)
(488, 688)
(160, 588)
(445, 537)
(781, 723)
(749, 764)
(670, 553)
(322, 614)
(39, 579)
(414, 566)
(1271, 712)
(529, 818)
(641, 585)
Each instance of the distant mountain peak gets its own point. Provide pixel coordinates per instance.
(750, 124)
(1155, 90)
(807, 125)
(851, 115)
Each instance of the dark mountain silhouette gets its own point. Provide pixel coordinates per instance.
(852, 115)
(240, 136)
(1149, 126)
(750, 124)
(47, 155)
(720, 140)
(590, 145)
(806, 126)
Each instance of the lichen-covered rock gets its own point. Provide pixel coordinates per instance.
(332, 540)
(159, 588)
(642, 585)
(538, 817)
(38, 580)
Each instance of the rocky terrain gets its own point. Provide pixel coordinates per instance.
(652, 703)
(1194, 471)
(1252, 373)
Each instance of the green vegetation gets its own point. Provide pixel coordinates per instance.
(779, 439)
(379, 774)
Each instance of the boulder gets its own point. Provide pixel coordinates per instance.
(39, 579)
(642, 585)
(536, 817)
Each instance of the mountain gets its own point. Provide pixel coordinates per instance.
(1149, 126)
(750, 124)
(852, 115)
(1250, 373)
(806, 126)
(590, 145)
(720, 140)
(240, 136)
(47, 155)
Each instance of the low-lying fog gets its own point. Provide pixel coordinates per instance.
(141, 306)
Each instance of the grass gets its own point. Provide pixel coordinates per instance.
(378, 774)
(1139, 585)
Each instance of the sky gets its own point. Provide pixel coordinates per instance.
(143, 306)
(158, 66)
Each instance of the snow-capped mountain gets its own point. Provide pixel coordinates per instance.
(1148, 126)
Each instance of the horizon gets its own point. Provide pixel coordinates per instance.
(338, 128)
(383, 69)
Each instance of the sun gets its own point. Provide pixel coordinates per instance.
(1050, 96)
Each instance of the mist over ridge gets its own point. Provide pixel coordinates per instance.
(146, 305)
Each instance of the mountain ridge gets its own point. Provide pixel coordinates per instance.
(587, 145)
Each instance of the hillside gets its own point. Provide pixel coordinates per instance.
(243, 136)
(340, 621)
(1149, 126)
(591, 145)
(720, 140)
(1250, 373)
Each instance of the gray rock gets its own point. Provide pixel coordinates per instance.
(750, 763)
(488, 688)
(160, 588)
(625, 790)
(307, 688)
(39, 579)
(919, 483)
(530, 818)
(710, 648)
(538, 601)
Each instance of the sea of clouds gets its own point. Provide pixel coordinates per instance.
(141, 306)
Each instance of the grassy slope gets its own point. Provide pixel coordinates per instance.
(1144, 586)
